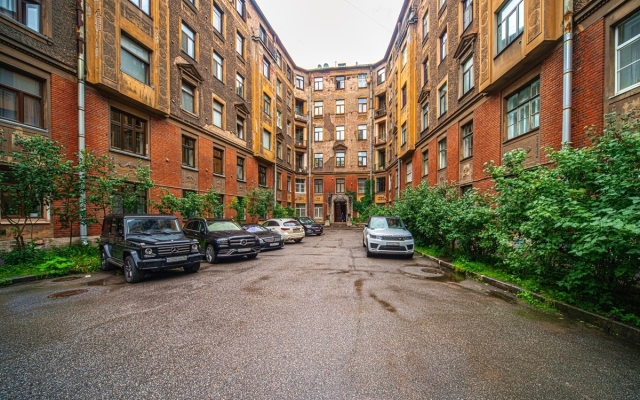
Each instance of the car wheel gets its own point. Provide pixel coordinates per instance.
(363, 245)
(132, 273)
(105, 265)
(210, 254)
(298, 240)
(252, 256)
(190, 269)
(369, 254)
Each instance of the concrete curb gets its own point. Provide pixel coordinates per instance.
(23, 279)
(604, 323)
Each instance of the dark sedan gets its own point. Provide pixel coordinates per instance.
(222, 238)
(268, 239)
(311, 227)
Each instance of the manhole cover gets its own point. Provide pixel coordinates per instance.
(67, 278)
(425, 273)
(68, 293)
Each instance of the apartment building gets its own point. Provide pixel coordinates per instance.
(205, 93)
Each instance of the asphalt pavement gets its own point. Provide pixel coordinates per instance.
(315, 320)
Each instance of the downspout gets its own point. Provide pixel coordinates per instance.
(309, 129)
(81, 124)
(567, 70)
(275, 184)
(371, 131)
(398, 175)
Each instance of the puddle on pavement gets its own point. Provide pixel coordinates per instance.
(67, 279)
(98, 282)
(358, 285)
(68, 293)
(383, 303)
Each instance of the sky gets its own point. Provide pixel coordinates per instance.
(333, 31)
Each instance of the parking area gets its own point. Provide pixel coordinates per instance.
(316, 319)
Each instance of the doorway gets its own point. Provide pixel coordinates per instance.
(340, 212)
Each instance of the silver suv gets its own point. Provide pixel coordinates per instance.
(387, 235)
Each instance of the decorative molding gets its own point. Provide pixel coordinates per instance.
(466, 42)
(188, 69)
(163, 74)
(466, 171)
(534, 21)
(130, 13)
(189, 179)
(109, 70)
(484, 40)
(241, 108)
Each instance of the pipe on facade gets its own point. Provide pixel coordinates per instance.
(371, 131)
(398, 175)
(309, 155)
(81, 111)
(567, 69)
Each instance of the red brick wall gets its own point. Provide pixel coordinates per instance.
(486, 139)
(453, 154)
(551, 103)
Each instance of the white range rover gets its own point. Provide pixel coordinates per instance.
(387, 235)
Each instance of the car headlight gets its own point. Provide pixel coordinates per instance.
(222, 241)
(194, 246)
(261, 241)
(374, 236)
(148, 251)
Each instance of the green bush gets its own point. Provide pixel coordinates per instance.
(53, 262)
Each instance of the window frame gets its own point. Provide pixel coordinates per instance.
(442, 153)
(362, 158)
(466, 134)
(240, 124)
(466, 68)
(262, 175)
(318, 83)
(318, 160)
(266, 104)
(193, 96)
(362, 105)
(240, 168)
(239, 44)
(218, 15)
(190, 40)
(467, 14)
(521, 105)
(409, 172)
(518, 9)
(266, 140)
(340, 106)
(425, 162)
(189, 151)
(218, 161)
(340, 156)
(318, 108)
(318, 134)
(362, 132)
(339, 132)
(218, 112)
(617, 48)
(443, 99)
(362, 81)
(300, 82)
(146, 63)
(20, 95)
(239, 85)
(135, 133)
(218, 66)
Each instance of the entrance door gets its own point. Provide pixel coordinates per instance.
(340, 212)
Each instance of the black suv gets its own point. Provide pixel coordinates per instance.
(311, 227)
(222, 238)
(140, 243)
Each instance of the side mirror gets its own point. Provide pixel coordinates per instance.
(366, 225)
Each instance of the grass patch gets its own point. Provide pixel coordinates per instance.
(57, 261)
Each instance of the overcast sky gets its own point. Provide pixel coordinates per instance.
(333, 31)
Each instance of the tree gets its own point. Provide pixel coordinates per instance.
(260, 202)
(101, 182)
(129, 193)
(283, 212)
(239, 204)
(192, 205)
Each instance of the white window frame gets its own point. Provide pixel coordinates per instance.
(340, 132)
(409, 172)
(218, 113)
(467, 75)
(190, 43)
(513, 8)
(218, 66)
(618, 48)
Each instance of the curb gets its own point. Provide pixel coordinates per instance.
(22, 279)
(608, 325)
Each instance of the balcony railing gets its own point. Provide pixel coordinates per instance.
(382, 139)
(379, 167)
(380, 112)
(301, 117)
(301, 143)
(301, 170)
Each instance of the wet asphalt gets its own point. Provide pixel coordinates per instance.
(315, 320)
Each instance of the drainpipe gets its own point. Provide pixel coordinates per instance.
(567, 70)
(275, 183)
(398, 175)
(309, 129)
(371, 131)
(81, 132)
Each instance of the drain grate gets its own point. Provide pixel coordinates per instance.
(68, 293)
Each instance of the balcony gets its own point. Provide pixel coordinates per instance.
(380, 112)
(379, 167)
(301, 170)
(301, 117)
(382, 139)
(301, 143)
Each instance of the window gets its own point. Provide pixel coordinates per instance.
(380, 184)
(340, 82)
(467, 140)
(278, 119)
(467, 75)
(288, 128)
(340, 132)
(300, 185)
(523, 110)
(266, 68)
(425, 72)
(362, 105)
(317, 108)
(188, 152)
(510, 23)
(262, 175)
(442, 153)
(117, 206)
(240, 127)
(317, 186)
(188, 41)
(425, 162)
(240, 7)
(362, 80)
(299, 82)
(442, 3)
(218, 161)
(188, 97)
(288, 155)
(218, 16)
(404, 56)
(239, 44)
(134, 59)
(425, 25)
(239, 85)
(409, 172)
(362, 184)
(340, 159)
(128, 133)
(289, 99)
(442, 96)
(317, 83)
(266, 104)
(218, 66)
(263, 34)
(279, 181)
(467, 13)
(29, 12)
(317, 160)
(362, 159)
(339, 185)
(362, 132)
(382, 75)
(278, 58)
(339, 106)
(403, 137)
(278, 88)
(301, 210)
(627, 54)
(403, 93)
(425, 116)
(240, 168)
(317, 134)
(318, 211)
(218, 113)
(20, 98)
(299, 136)
(266, 139)
(279, 150)
(443, 45)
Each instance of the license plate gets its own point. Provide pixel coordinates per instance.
(296, 229)
(244, 250)
(175, 259)
(274, 244)
(393, 243)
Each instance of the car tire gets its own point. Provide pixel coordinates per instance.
(105, 265)
(298, 240)
(210, 254)
(363, 245)
(190, 269)
(252, 256)
(132, 274)
(369, 254)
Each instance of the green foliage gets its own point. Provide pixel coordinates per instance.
(53, 262)
(192, 205)
(238, 204)
(129, 194)
(101, 182)
(283, 212)
(366, 202)
(259, 202)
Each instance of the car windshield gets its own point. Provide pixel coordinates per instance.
(148, 226)
(255, 228)
(291, 223)
(223, 226)
(386, 223)
(306, 220)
